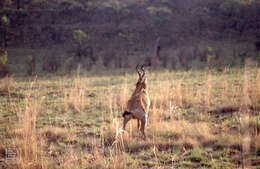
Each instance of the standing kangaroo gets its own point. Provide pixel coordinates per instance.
(139, 103)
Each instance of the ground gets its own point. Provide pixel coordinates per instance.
(198, 119)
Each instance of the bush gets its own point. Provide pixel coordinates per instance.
(3, 60)
(30, 64)
(69, 64)
(50, 64)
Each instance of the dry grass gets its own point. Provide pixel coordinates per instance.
(53, 134)
(209, 91)
(193, 134)
(28, 154)
(188, 127)
(75, 97)
(7, 84)
(178, 94)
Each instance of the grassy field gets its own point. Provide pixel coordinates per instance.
(198, 119)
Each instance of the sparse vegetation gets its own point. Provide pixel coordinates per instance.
(31, 65)
(80, 38)
(3, 60)
(197, 120)
(67, 72)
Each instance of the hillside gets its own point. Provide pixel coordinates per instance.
(121, 32)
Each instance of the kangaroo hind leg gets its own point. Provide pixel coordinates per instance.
(138, 124)
(143, 121)
(126, 119)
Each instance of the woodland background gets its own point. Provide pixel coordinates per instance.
(177, 34)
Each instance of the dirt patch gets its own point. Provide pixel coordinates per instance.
(54, 134)
(224, 110)
(16, 95)
(216, 146)
(230, 109)
(2, 152)
(160, 146)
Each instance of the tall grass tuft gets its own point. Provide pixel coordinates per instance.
(70, 159)
(224, 92)
(165, 94)
(123, 95)
(29, 154)
(244, 118)
(209, 91)
(179, 94)
(118, 143)
(75, 97)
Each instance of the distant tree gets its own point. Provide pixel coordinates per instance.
(161, 16)
(69, 64)
(257, 43)
(50, 64)
(31, 65)
(19, 4)
(257, 23)
(2, 4)
(47, 35)
(4, 29)
(80, 38)
(3, 60)
(119, 11)
(83, 50)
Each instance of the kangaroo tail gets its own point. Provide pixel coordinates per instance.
(126, 113)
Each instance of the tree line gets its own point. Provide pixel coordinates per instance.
(124, 28)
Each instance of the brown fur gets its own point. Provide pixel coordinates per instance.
(139, 103)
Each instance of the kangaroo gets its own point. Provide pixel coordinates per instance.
(139, 103)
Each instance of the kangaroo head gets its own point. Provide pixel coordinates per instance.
(141, 84)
